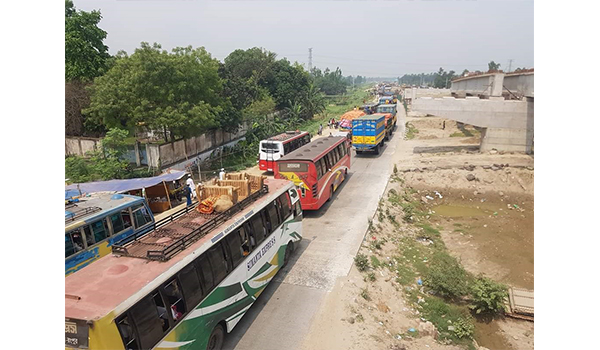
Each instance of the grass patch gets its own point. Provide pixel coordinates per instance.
(411, 131)
(444, 315)
(364, 293)
(375, 262)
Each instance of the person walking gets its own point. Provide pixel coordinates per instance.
(320, 132)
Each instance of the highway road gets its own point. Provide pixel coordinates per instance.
(281, 317)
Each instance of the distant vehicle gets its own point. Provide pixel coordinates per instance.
(317, 169)
(93, 225)
(388, 108)
(368, 133)
(388, 100)
(273, 148)
(369, 108)
(187, 283)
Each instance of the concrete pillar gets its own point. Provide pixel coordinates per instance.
(497, 83)
(136, 148)
(413, 94)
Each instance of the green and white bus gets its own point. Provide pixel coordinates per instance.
(188, 282)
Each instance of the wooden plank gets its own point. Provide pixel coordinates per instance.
(520, 303)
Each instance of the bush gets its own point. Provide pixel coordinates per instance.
(446, 276)
(464, 327)
(361, 262)
(488, 296)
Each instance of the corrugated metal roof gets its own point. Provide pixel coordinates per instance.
(312, 151)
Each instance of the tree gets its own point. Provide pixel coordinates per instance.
(493, 66)
(178, 93)
(330, 82)
(86, 56)
(312, 101)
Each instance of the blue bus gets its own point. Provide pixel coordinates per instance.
(93, 225)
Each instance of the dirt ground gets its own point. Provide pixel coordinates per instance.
(483, 208)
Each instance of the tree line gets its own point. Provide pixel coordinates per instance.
(183, 92)
(443, 79)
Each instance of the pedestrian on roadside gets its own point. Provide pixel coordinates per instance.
(190, 182)
(320, 132)
(188, 194)
(222, 174)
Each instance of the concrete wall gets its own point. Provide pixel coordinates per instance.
(158, 156)
(413, 93)
(509, 124)
(520, 84)
(79, 146)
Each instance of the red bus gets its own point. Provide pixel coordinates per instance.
(317, 169)
(273, 148)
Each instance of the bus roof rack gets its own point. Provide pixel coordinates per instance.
(162, 243)
(73, 212)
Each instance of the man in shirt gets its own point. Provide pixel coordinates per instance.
(190, 182)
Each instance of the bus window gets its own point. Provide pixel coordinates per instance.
(330, 160)
(235, 247)
(248, 242)
(89, 237)
(319, 173)
(127, 334)
(203, 266)
(174, 298)
(126, 218)
(273, 217)
(73, 243)
(297, 209)
(190, 286)
(141, 216)
(148, 323)
(161, 310)
(117, 223)
(218, 262)
(285, 208)
(257, 228)
(100, 229)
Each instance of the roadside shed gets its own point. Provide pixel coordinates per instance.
(160, 191)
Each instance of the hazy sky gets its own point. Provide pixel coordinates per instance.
(362, 37)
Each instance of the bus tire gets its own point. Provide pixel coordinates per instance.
(330, 193)
(215, 341)
(288, 253)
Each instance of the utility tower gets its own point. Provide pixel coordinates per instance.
(309, 59)
(510, 64)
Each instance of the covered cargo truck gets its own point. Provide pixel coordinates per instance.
(368, 133)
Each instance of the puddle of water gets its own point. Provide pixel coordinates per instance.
(454, 211)
(489, 336)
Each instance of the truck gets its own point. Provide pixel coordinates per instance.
(389, 108)
(368, 133)
(390, 123)
(388, 100)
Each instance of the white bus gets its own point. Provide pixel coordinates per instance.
(273, 148)
(187, 283)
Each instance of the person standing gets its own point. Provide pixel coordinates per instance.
(222, 174)
(190, 182)
(320, 129)
(188, 194)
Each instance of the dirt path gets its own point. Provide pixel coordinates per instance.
(485, 218)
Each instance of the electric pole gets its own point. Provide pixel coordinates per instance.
(510, 64)
(309, 59)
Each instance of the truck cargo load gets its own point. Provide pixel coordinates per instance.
(368, 133)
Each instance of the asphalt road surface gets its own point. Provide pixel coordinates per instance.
(281, 317)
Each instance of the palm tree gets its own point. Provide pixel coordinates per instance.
(313, 101)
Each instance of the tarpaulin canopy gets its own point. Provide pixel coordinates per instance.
(121, 186)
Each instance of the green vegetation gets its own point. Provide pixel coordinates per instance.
(375, 262)
(105, 163)
(453, 322)
(361, 262)
(411, 131)
(370, 277)
(364, 292)
(488, 296)
(446, 276)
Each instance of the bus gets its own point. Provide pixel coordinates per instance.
(317, 169)
(93, 225)
(187, 283)
(276, 147)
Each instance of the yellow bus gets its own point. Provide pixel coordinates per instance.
(188, 283)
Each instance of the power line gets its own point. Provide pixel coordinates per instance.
(399, 62)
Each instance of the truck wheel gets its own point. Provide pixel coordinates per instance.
(358, 152)
(377, 149)
(215, 341)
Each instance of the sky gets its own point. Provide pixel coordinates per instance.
(374, 38)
